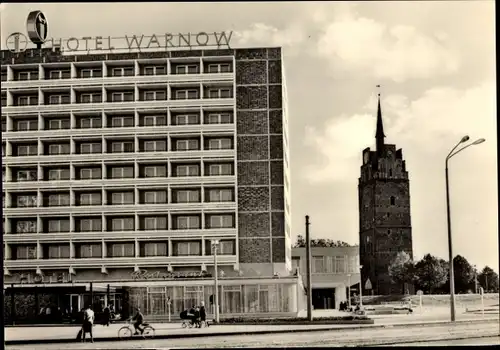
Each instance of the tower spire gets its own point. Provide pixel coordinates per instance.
(379, 134)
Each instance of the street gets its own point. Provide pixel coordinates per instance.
(348, 337)
(461, 342)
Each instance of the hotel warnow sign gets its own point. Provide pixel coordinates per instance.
(37, 29)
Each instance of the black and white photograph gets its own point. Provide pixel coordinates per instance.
(268, 174)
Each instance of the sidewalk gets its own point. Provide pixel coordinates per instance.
(30, 335)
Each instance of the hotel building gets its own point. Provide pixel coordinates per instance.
(118, 171)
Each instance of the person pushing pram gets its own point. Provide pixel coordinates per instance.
(192, 316)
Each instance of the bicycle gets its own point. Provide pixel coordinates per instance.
(188, 323)
(128, 331)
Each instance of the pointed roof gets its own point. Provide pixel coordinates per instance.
(379, 134)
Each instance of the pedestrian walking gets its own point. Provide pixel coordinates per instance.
(88, 323)
(203, 314)
(107, 316)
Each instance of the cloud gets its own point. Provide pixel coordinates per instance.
(260, 34)
(397, 52)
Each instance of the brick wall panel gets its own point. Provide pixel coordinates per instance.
(278, 223)
(275, 96)
(253, 225)
(274, 53)
(251, 54)
(276, 151)
(252, 122)
(276, 121)
(279, 250)
(251, 97)
(277, 175)
(274, 74)
(251, 72)
(277, 198)
(253, 148)
(254, 250)
(253, 173)
(253, 198)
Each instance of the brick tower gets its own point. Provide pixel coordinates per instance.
(384, 213)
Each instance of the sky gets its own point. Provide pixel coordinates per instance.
(435, 62)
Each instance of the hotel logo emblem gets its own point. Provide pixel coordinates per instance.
(37, 29)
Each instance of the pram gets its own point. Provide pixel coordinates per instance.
(189, 320)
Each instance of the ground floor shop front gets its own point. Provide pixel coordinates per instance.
(159, 300)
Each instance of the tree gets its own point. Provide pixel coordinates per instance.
(488, 279)
(463, 273)
(321, 242)
(402, 270)
(431, 273)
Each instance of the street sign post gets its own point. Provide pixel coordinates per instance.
(481, 291)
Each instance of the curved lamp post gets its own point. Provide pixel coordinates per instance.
(450, 247)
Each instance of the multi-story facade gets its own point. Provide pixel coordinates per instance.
(117, 164)
(384, 213)
(335, 271)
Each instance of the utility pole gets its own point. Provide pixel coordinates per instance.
(308, 271)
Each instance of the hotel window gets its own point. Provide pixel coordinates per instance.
(219, 118)
(58, 200)
(187, 145)
(122, 224)
(26, 124)
(155, 197)
(58, 251)
(122, 71)
(219, 68)
(90, 123)
(187, 170)
(90, 198)
(186, 119)
(90, 173)
(59, 74)
(125, 96)
(220, 221)
(89, 251)
(4, 124)
(155, 171)
(56, 124)
(153, 223)
(226, 248)
(26, 200)
(158, 95)
(4, 74)
(155, 249)
(188, 248)
(25, 226)
(220, 169)
(27, 75)
(220, 195)
(225, 143)
(58, 174)
(59, 99)
(58, 225)
(187, 196)
(27, 150)
(91, 73)
(89, 225)
(122, 172)
(27, 100)
(155, 120)
(187, 69)
(62, 148)
(122, 250)
(122, 122)
(91, 97)
(3, 150)
(187, 94)
(340, 264)
(90, 147)
(353, 265)
(318, 264)
(122, 198)
(188, 223)
(155, 146)
(122, 146)
(24, 252)
(155, 70)
(4, 100)
(219, 93)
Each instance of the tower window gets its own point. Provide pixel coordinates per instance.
(390, 172)
(393, 200)
(389, 232)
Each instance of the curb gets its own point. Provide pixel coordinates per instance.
(259, 332)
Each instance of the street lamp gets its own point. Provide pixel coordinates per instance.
(215, 247)
(450, 247)
(475, 279)
(349, 290)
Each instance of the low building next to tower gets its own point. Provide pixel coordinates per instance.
(384, 213)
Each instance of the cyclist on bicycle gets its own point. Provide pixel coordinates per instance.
(139, 320)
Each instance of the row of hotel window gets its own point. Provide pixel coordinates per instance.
(332, 264)
(58, 98)
(90, 172)
(145, 223)
(115, 71)
(121, 146)
(193, 118)
(121, 197)
(120, 250)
